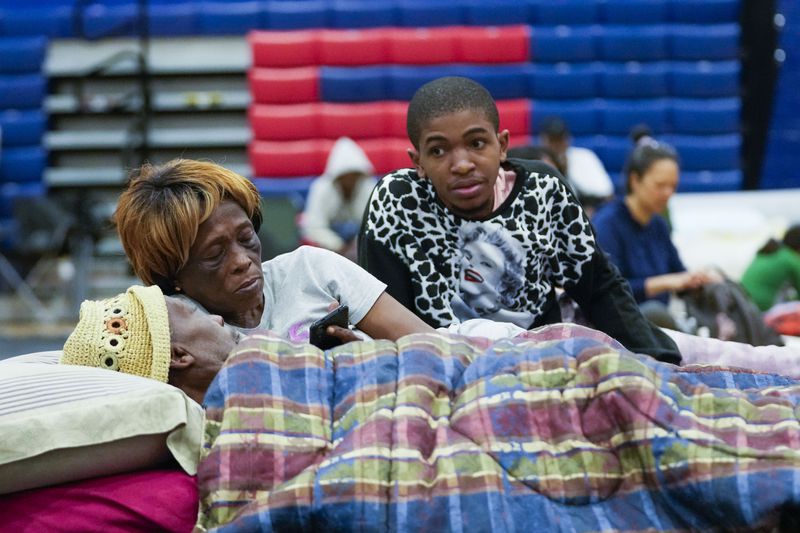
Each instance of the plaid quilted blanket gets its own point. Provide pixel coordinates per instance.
(559, 431)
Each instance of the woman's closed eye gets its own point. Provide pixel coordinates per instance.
(215, 255)
(248, 238)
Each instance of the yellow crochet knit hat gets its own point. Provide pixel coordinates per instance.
(128, 333)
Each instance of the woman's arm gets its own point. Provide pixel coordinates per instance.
(387, 319)
(673, 282)
(679, 281)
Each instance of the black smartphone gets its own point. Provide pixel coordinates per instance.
(319, 336)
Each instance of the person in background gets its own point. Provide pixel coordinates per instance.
(776, 265)
(420, 233)
(538, 153)
(336, 201)
(581, 166)
(636, 236)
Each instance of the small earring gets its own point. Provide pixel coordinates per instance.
(177, 289)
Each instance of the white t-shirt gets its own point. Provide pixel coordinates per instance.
(587, 173)
(300, 285)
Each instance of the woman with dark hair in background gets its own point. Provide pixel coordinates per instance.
(635, 234)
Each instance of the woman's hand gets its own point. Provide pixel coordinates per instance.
(700, 278)
(704, 277)
(344, 334)
(679, 281)
(692, 280)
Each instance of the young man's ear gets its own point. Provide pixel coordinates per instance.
(503, 138)
(180, 358)
(414, 155)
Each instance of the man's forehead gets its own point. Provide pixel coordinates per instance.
(179, 305)
(474, 113)
(435, 129)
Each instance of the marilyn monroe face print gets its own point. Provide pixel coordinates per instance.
(491, 275)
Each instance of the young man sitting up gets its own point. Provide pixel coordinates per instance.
(469, 233)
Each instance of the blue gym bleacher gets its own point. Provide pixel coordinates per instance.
(22, 124)
(604, 65)
(782, 156)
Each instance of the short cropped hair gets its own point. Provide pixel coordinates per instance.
(444, 96)
(160, 211)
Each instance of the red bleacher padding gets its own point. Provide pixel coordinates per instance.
(357, 121)
(275, 122)
(365, 120)
(289, 158)
(284, 85)
(493, 44)
(423, 46)
(396, 112)
(353, 47)
(387, 154)
(308, 157)
(284, 48)
(515, 116)
(404, 46)
(271, 122)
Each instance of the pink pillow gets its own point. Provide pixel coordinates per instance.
(148, 500)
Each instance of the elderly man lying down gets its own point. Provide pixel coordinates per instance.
(558, 429)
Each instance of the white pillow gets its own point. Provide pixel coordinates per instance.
(62, 423)
(51, 357)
